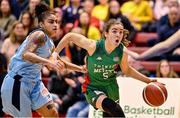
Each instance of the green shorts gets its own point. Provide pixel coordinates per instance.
(111, 91)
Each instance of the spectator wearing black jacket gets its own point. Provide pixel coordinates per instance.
(168, 24)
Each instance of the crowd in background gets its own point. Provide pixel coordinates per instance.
(87, 17)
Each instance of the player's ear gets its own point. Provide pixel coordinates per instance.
(40, 24)
(105, 34)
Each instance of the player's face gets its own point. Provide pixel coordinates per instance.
(50, 25)
(115, 34)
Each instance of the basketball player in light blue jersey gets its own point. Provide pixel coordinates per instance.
(22, 90)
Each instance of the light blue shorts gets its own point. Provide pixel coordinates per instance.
(31, 95)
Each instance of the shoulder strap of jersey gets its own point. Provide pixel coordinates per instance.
(99, 46)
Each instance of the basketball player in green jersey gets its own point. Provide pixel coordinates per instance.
(100, 87)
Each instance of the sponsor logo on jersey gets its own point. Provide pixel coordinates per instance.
(116, 59)
(93, 99)
(99, 58)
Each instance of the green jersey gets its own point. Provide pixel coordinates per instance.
(101, 65)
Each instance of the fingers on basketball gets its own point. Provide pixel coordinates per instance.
(155, 94)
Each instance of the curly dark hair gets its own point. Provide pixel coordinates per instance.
(42, 11)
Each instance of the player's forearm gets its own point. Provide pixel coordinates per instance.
(154, 51)
(73, 67)
(64, 42)
(137, 75)
(33, 58)
(160, 48)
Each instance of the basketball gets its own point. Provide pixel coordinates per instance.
(155, 94)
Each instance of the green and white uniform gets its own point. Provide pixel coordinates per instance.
(101, 77)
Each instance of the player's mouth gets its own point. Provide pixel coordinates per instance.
(55, 29)
(117, 41)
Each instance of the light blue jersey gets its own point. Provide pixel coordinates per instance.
(22, 89)
(25, 68)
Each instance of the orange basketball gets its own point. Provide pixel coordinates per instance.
(155, 94)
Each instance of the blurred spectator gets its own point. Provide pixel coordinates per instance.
(164, 70)
(15, 39)
(88, 30)
(75, 53)
(6, 18)
(122, 1)
(100, 11)
(88, 6)
(57, 83)
(31, 8)
(169, 24)
(1, 37)
(138, 12)
(70, 14)
(58, 86)
(160, 8)
(81, 107)
(3, 72)
(57, 3)
(114, 13)
(18, 6)
(28, 21)
(66, 87)
(172, 3)
(32, 5)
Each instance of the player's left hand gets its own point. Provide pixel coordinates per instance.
(60, 63)
(54, 55)
(84, 69)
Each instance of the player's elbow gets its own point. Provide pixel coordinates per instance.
(70, 36)
(125, 71)
(165, 48)
(25, 55)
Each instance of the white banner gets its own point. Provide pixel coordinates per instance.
(133, 105)
(132, 102)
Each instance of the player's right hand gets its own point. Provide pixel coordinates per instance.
(56, 65)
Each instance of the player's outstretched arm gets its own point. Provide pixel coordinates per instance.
(129, 71)
(159, 48)
(73, 67)
(77, 39)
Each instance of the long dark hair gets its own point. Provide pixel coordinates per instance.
(9, 7)
(87, 26)
(111, 22)
(171, 74)
(30, 17)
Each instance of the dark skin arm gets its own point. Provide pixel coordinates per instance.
(36, 40)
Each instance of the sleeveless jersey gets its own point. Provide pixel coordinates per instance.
(101, 65)
(27, 69)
